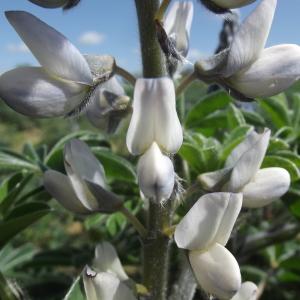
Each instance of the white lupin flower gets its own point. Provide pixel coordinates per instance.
(248, 291)
(248, 70)
(242, 173)
(109, 98)
(107, 260)
(205, 230)
(156, 174)
(105, 286)
(83, 190)
(60, 86)
(217, 271)
(177, 24)
(154, 117)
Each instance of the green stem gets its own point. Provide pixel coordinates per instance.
(134, 221)
(125, 74)
(152, 58)
(156, 245)
(186, 81)
(156, 252)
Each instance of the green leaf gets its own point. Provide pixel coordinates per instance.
(292, 200)
(234, 117)
(276, 145)
(277, 161)
(206, 106)
(116, 167)
(253, 118)
(6, 290)
(115, 223)
(193, 155)
(275, 111)
(20, 218)
(9, 184)
(10, 163)
(74, 292)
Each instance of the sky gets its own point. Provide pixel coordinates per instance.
(110, 27)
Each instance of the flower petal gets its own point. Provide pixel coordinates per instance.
(251, 37)
(248, 291)
(107, 260)
(232, 3)
(214, 180)
(32, 92)
(154, 117)
(53, 51)
(59, 186)
(246, 159)
(178, 24)
(49, 3)
(106, 286)
(266, 186)
(217, 271)
(274, 71)
(156, 174)
(80, 165)
(210, 220)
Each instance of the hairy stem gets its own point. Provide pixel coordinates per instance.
(152, 58)
(156, 245)
(186, 81)
(125, 74)
(156, 252)
(134, 221)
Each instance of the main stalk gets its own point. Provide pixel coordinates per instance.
(156, 245)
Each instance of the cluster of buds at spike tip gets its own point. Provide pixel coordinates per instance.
(204, 231)
(65, 4)
(224, 6)
(65, 83)
(107, 279)
(242, 173)
(174, 33)
(83, 190)
(246, 69)
(155, 131)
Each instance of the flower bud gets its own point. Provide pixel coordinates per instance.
(66, 4)
(209, 221)
(248, 291)
(156, 174)
(107, 260)
(217, 271)
(106, 286)
(154, 117)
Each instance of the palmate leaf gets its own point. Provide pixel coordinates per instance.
(20, 218)
(205, 107)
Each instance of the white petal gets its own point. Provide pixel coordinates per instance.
(232, 3)
(59, 186)
(107, 260)
(178, 24)
(229, 217)
(156, 174)
(80, 165)
(32, 92)
(107, 286)
(266, 186)
(251, 37)
(212, 179)
(154, 117)
(210, 220)
(248, 291)
(246, 159)
(217, 271)
(53, 51)
(273, 72)
(88, 282)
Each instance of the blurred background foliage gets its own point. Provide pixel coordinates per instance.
(43, 247)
